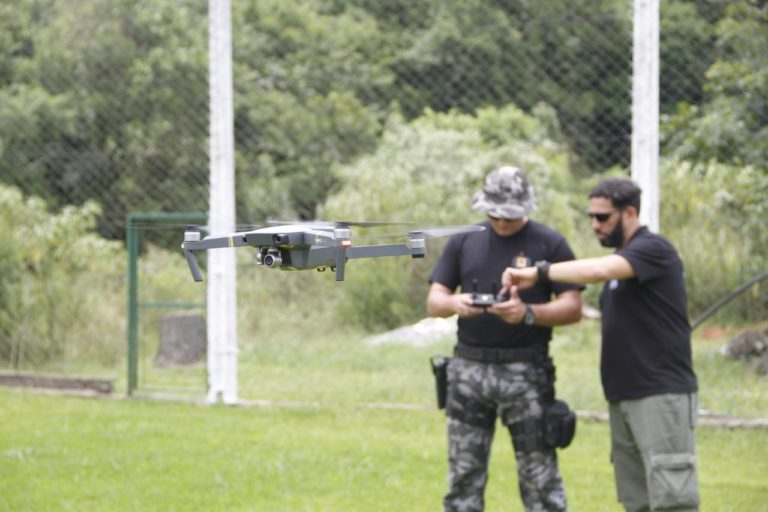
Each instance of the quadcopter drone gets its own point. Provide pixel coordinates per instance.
(312, 245)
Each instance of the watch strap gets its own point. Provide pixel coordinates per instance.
(542, 270)
(530, 317)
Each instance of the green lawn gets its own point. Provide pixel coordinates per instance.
(66, 453)
(354, 429)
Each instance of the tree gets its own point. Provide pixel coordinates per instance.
(426, 171)
(731, 125)
(305, 100)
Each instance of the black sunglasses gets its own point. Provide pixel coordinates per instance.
(600, 217)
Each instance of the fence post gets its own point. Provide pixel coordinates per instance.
(645, 108)
(222, 282)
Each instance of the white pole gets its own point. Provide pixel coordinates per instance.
(221, 297)
(645, 108)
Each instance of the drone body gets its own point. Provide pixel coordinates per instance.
(311, 245)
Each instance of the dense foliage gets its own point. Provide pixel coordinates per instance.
(358, 109)
(50, 264)
(427, 171)
(107, 100)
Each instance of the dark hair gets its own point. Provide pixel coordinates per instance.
(622, 192)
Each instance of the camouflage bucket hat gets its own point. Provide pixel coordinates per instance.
(506, 194)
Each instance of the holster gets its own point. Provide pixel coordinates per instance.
(559, 425)
(555, 429)
(440, 370)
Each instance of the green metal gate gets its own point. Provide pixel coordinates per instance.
(135, 223)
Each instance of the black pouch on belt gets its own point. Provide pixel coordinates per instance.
(559, 425)
(440, 370)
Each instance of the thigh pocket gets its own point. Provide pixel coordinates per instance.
(673, 480)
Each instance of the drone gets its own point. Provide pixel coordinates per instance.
(316, 245)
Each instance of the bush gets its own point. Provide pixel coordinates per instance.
(715, 215)
(50, 265)
(426, 171)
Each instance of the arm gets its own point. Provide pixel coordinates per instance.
(584, 271)
(563, 309)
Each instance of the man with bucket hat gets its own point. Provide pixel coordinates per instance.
(501, 365)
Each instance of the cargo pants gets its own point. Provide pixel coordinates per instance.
(478, 393)
(653, 452)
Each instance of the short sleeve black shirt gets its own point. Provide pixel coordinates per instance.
(646, 334)
(482, 257)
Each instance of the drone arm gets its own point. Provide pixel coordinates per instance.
(193, 266)
(341, 260)
(216, 242)
(377, 251)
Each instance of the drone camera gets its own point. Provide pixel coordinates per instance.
(272, 260)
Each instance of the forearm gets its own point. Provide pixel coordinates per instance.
(441, 301)
(590, 270)
(565, 309)
(440, 305)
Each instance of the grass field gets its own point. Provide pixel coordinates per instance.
(66, 453)
(352, 429)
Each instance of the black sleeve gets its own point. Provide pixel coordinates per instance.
(650, 257)
(448, 271)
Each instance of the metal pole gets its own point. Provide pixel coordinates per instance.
(131, 241)
(221, 292)
(645, 108)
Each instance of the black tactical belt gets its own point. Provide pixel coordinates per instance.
(500, 355)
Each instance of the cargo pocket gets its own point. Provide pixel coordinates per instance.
(673, 481)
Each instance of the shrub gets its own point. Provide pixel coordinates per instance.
(61, 285)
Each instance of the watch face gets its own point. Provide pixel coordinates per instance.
(529, 316)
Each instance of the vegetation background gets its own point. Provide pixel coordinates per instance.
(353, 109)
(358, 110)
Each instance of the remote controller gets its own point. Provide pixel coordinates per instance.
(484, 300)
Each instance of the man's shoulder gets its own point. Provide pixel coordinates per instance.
(537, 228)
(650, 241)
(460, 237)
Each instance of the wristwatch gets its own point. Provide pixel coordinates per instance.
(542, 271)
(530, 316)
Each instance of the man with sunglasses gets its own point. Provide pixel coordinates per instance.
(501, 366)
(645, 365)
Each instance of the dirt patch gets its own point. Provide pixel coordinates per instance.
(60, 382)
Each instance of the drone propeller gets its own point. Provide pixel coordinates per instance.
(189, 227)
(337, 223)
(441, 231)
(428, 232)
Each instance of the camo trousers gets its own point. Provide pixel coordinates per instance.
(478, 393)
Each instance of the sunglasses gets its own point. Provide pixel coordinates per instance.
(501, 218)
(600, 217)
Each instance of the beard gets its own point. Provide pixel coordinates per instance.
(615, 237)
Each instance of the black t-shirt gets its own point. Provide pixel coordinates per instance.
(646, 334)
(483, 256)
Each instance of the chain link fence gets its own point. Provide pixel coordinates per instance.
(108, 100)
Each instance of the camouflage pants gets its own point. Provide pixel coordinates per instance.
(478, 393)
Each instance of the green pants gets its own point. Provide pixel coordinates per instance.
(653, 452)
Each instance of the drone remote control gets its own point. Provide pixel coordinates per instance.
(484, 300)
